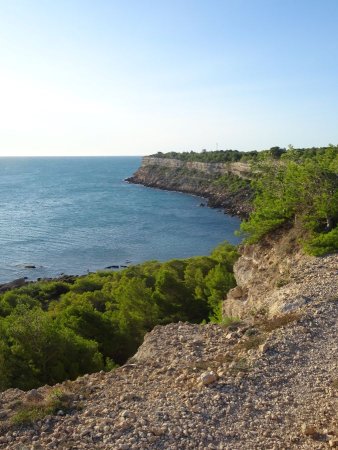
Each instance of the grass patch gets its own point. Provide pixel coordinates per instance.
(30, 412)
(205, 365)
(252, 342)
(240, 365)
(282, 282)
(227, 322)
(278, 322)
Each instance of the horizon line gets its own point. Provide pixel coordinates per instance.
(71, 156)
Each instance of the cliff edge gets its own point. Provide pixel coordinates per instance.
(275, 276)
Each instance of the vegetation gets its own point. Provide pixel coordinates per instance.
(217, 156)
(274, 323)
(232, 183)
(299, 189)
(29, 412)
(224, 156)
(56, 330)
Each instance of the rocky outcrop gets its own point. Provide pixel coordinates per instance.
(199, 179)
(275, 276)
(13, 284)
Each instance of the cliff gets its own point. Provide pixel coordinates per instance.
(225, 185)
(274, 276)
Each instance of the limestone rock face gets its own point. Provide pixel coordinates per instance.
(237, 168)
(275, 276)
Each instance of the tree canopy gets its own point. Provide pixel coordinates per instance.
(56, 330)
(300, 190)
(224, 156)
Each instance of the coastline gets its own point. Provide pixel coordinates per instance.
(235, 204)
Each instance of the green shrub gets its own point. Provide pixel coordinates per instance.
(322, 244)
(29, 412)
(52, 331)
(297, 191)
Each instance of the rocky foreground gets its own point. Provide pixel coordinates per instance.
(271, 384)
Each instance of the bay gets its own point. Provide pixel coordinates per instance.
(74, 215)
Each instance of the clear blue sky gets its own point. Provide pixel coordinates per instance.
(131, 77)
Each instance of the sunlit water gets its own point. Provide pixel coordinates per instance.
(73, 215)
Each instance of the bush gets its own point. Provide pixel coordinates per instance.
(322, 244)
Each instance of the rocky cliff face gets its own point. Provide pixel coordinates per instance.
(199, 179)
(237, 168)
(275, 276)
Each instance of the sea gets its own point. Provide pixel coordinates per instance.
(77, 215)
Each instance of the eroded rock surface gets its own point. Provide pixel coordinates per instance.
(276, 277)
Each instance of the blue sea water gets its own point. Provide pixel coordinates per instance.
(73, 215)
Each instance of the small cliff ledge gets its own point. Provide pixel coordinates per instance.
(274, 276)
(225, 185)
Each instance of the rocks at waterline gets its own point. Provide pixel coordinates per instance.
(116, 267)
(13, 284)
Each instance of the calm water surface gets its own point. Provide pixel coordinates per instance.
(73, 215)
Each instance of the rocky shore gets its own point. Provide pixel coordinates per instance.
(198, 179)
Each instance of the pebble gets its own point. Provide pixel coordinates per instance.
(208, 378)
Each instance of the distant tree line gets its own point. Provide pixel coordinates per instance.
(223, 156)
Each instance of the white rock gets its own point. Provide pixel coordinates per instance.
(208, 378)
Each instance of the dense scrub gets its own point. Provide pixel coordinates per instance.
(223, 156)
(300, 189)
(57, 330)
(232, 183)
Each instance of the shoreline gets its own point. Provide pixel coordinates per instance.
(224, 202)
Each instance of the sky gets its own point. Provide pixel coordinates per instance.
(133, 77)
